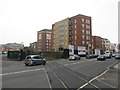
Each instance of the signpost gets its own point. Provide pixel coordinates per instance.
(81, 50)
(71, 49)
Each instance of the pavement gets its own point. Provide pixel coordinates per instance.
(111, 77)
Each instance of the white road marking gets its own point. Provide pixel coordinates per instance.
(83, 80)
(94, 79)
(77, 62)
(48, 80)
(22, 72)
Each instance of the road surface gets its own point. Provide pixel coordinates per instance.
(65, 74)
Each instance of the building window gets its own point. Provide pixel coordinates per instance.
(75, 31)
(39, 36)
(87, 32)
(82, 31)
(75, 26)
(75, 37)
(75, 20)
(83, 25)
(87, 42)
(87, 37)
(83, 37)
(83, 20)
(87, 21)
(83, 42)
(48, 36)
(87, 26)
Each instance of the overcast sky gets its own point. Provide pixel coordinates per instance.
(21, 19)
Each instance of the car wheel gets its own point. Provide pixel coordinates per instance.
(44, 63)
(26, 64)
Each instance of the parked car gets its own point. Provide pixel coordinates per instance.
(95, 56)
(107, 55)
(113, 55)
(91, 56)
(117, 56)
(74, 57)
(101, 57)
(34, 60)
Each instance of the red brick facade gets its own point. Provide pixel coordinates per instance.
(81, 31)
(97, 42)
(44, 42)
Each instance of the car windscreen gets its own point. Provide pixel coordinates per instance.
(28, 57)
(37, 57)
(101, 56)
(118, 55)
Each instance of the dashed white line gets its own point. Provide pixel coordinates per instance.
(77, 62)
(22, 72)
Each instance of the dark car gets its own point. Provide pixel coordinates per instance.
(74, 57)
(34, 60)
(117, 56)
(107, 55)
(89, 56)
(101, 57)
(95, 56)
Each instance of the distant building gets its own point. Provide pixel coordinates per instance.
(44, 40)
(76, 31)
(97, 45)
(12, 47)
(107, 45)
(113, 47)
(60, 35)
(33, 46)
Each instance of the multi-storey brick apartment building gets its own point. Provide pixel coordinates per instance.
(44, 40)
(76, 31)
(98, 44)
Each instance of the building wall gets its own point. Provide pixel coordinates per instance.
(61, 34)
(81, 31)
(71, 31)
(44, 40)
(107, 45)
(33, 46)
(12, 47)
(97, 42)
(103, 45)
(97, 45)
(112, 47)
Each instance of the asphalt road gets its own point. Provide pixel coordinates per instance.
(63, 74)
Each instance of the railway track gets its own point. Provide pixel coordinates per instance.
(68, 79)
